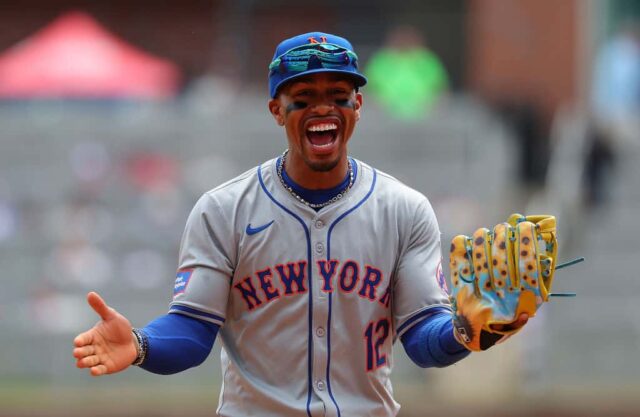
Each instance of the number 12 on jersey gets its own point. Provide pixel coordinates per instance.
(374, 337)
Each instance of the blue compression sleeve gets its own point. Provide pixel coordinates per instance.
(177, 342)
(431, 343)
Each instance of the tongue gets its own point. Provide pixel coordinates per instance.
(320, 138)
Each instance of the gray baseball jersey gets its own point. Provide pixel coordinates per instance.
(309, 302)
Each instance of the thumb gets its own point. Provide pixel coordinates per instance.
(99, 306)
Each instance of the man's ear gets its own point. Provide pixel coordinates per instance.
(275, 108)
(358, 105)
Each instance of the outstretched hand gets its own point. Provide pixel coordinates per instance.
(109, 346)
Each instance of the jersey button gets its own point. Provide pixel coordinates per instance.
(319, 224)
(320, 332)
(319, 247)
(320, 385)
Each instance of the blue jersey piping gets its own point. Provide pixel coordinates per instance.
(342, 216)
(421, 315)
(309, 284)
(186, 309)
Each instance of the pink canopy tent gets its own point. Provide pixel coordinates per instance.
(75, 57)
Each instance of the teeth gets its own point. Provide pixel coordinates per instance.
(323, 127)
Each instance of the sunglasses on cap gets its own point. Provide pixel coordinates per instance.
(313, 55)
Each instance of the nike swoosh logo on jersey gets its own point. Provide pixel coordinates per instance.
(253, 230)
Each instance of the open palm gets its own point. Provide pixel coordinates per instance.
(107, 347)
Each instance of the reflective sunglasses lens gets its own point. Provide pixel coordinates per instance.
(312, 57)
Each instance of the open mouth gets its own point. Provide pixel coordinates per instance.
(322, 136)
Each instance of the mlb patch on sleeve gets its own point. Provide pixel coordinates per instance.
(442, 282)
(182, 280)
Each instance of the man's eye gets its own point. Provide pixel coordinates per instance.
(344, 102)
(296, 105)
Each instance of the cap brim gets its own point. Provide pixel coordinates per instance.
(359, 80)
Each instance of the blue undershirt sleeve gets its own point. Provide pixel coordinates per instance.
(177, 342)
(431, 343)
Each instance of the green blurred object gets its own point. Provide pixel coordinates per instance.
(407, 82)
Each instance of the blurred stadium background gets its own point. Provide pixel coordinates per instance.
(116, 116)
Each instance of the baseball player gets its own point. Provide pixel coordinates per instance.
(310, 266)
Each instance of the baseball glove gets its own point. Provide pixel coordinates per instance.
(498, 275)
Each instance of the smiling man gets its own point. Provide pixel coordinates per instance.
(309, 266)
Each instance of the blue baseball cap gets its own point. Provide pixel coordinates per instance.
(311, 53)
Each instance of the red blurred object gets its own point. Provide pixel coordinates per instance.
(151, 171)
(75, 57)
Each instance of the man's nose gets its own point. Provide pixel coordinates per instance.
(323, 107)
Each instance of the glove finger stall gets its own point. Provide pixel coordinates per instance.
(526, 253)
(481, 254)
(461, 268)
(500, 260)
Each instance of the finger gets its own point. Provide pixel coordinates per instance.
(517, 324)
(507, 327)
(83, 339)
(523, 319)
(89, 361)
(99, 306)
(520, 321)
(98, 370)
(81, 352)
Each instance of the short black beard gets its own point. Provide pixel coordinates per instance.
(322, 166)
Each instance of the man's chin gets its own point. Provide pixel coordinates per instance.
(323, 166)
